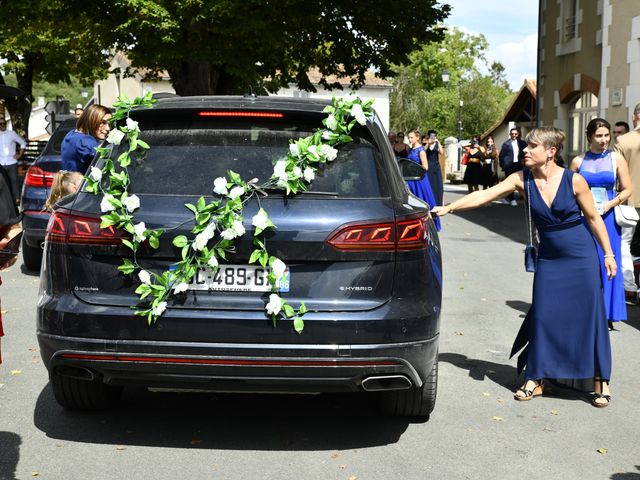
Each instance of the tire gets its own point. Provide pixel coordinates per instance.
(415, 401)
(31, 256)
(75, 394)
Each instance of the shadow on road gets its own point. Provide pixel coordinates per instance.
(627, 475)
(519, 305)
(504, 375)
(9, 454)
(503, 220)
(225, 421)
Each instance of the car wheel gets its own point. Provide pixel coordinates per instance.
(76, 394)
(415, 401)
(31, 256)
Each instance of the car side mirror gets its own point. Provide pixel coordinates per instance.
(410, 170)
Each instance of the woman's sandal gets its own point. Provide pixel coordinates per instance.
(599, 395)
(529, 394)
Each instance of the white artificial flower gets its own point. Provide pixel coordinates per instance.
(213, 261)
(275, 304)
(159, 310)
(313, 150)
(278, 267)
(106, 205)
(358, 114)
(280, 169)
(144, 276)
(228, 234)
(220, 186)
(132, 125)
(95, 174)
(204, 236)
(332, 123)
(115, 136)
(236, 192)
(309, 174)
(294, 149)
(139, 229)
(180, 287)
(329, 152)
(132, 203)
(260, 220)
(238, 228)
(327, 135)
(350, 97)
(297, 172)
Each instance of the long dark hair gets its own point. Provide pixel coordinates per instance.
(594, 125)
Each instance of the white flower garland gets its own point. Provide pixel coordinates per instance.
(223, 216)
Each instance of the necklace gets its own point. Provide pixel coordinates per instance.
(544, 182)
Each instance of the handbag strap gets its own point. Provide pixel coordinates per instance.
(529, 229)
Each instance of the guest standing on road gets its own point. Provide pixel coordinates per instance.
(420, 188)
(628, 146)
(474, 174)
(79, 145)
(603, 171)
(491, 163)
(12, 147)
(434, 152)
(566, 327)
(512, 158)
(400, 149)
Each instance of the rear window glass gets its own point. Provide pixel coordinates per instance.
(185, 162)
(54, 145)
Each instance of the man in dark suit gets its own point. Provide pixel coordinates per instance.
(512, 157)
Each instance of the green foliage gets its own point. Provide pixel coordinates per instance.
(227, 46)
(422, 100)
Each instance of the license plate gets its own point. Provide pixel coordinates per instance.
(237, 278)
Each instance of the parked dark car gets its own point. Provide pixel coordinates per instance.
(374, 309)
(35, 191)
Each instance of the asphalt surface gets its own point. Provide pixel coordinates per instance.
(476, 431)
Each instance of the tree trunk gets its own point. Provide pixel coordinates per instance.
(20, 107)
(203, 78)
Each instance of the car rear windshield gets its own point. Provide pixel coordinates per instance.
(186, 161)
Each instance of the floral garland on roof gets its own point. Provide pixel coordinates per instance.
(218, 223)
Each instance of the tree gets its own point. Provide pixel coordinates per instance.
(50, 40)
(226, 46)
(421, 99)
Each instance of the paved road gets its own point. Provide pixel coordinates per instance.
(476, 431)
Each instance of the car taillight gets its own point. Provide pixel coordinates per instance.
(36, 177)
(64, 227)
(403, 234)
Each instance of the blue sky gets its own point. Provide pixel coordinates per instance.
(511, 27)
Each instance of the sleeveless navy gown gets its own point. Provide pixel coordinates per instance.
(566, 326)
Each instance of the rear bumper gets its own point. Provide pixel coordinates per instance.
(236, 367)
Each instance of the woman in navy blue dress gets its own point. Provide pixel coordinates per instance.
(421, 188)
(600, 168)
(566, 327)
(79, 145)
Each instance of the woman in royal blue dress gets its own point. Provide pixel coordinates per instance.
(566, 327)
(600, 168)
(79, 145)
(421, 188)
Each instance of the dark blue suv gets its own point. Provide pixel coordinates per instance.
(35, 191)
(373, 308)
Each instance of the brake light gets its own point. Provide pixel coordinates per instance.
(37, 177)
(64, 227)
(403, 234)
(210, 113)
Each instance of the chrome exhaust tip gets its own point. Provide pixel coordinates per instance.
(386, 382)
(79, 373)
